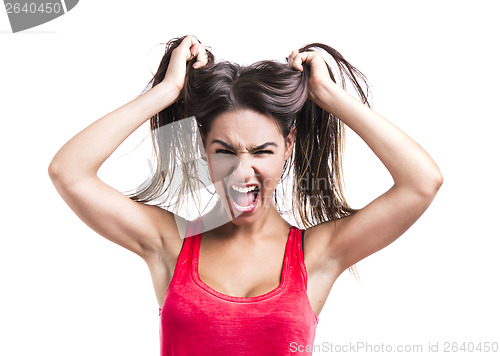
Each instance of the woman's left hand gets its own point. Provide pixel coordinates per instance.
(319, 77)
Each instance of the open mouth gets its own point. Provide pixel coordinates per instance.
(244, 199)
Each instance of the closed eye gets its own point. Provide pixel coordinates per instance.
(223, 151)
(229, 152)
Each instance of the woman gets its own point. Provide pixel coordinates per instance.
(254, 284)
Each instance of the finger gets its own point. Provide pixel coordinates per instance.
(304, 58)
(189, 44)
(201, 56)
(296, 60)
(292, 56)
(194, 50)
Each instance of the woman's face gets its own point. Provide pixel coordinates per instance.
(246, 155)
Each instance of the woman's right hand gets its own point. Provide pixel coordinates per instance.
(189, 48)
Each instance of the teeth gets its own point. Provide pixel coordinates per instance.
(244, 190)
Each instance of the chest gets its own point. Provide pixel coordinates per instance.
(240, 271)
(244, 272)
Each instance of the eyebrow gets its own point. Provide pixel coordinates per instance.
(227, 145)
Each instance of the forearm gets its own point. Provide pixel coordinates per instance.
(408, 163)
(83, 154)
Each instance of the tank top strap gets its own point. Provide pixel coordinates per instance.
(295, 232)
(182, 270)
(193, 232)
(298, 254)
(194, 228)
(298, 275)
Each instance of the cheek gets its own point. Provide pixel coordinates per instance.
(271, 174)
(221, 166)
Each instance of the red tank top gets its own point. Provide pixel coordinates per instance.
(198, 320)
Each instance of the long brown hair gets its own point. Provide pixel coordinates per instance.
(271, 88)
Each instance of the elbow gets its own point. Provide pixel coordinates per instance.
(439, 180)
(426, 186)
(63, 175)
(52, 171)
(432, 184)
(56, 172)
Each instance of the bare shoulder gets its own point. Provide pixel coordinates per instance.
(322, 265)
(162, 259)
(319, 256)
(172, 230)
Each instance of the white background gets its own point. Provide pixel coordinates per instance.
(433, 67)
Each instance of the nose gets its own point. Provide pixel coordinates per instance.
(246, 170)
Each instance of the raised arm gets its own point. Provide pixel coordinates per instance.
(138, 227)
(416, 176)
